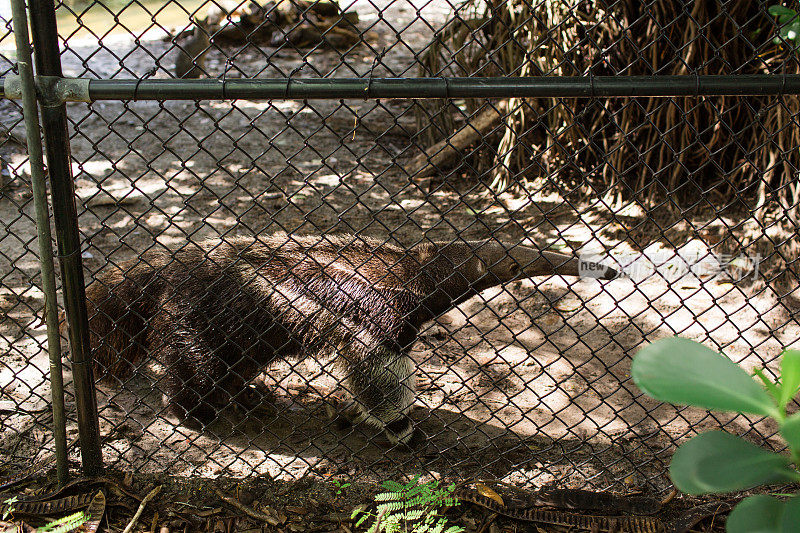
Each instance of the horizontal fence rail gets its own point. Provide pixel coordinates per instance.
(416, 88)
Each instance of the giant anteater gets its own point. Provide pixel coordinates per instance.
(215, 314)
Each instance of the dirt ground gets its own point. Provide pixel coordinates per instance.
(259, 504)
(527, 383)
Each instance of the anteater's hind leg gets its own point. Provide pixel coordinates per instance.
(191, 384)
(199, 381)
(383, 386)
(212, 346)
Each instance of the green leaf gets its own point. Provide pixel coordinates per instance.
(790, 375)
(757, 514)
(793, 32)
(784, 32)
(780, 11)
(790, 430)
(771, 387)
(791, 515)
(685, 372)
(719, 462)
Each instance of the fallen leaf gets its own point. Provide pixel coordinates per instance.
(483, 490)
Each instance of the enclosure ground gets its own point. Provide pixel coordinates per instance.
(310, 504)
(528, 383)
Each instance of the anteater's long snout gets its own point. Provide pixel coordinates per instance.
(518, 262)
(565, 265)
(482, 264)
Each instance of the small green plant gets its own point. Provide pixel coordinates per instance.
(788, 25)
(412, 508)
(65, 524)
(8, 508)
(684, 372)
(339, 486)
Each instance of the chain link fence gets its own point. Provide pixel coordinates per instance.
(694, 198)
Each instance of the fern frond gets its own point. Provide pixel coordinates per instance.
(392, 524)
(64, 528)
(411, 508)
(439, 526)
(413, 514)
(419, 489)
(412, 483)
(65, 524)
(415, 502)
(392, 486)
(390, 507)
(389, 496)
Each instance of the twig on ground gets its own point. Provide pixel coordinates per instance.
(150, 495)
(249, 511)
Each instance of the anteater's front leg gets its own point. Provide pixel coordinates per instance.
(383, 386)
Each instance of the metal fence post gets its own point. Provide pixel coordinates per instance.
(54, 125)
(44, 236)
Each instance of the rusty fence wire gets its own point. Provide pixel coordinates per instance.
(224, 237)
